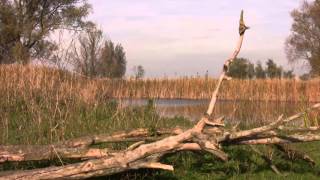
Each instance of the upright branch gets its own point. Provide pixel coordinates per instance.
(142, 155)
(146, 151)
(242, 30)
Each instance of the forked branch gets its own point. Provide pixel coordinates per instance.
(207, 135)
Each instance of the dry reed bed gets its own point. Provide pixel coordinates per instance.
(30, 81)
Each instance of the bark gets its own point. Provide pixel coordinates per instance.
(20, 153)
(294, 154)
(124, 136)
(266, 159)
(79, 148)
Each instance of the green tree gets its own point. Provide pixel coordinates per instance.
(260, 73)
(113, 60)
(288, 74)
(250, 70)
(304, 41)
(26, 24)
(305, 77)
(241, 68)
(273, 71)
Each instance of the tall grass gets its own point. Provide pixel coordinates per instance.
(42, 106)
(45, 80)
(201, 88)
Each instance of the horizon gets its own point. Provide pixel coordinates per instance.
(186, 38)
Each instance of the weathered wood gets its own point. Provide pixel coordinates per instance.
(294, 154)
(299, 130)
(277, 139)
(78, 148)
(226, 65)
(119, 161)
(207, 135)
(274, 125)
(125, 160)
(266, 159)
(123, 136)
(21, 153)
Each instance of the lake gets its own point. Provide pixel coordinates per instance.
(246, 112)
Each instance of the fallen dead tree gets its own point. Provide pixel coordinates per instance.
(79, 148)
(209, 134)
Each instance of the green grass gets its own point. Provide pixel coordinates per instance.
(42, 124)
(31, 118)
(243, 164)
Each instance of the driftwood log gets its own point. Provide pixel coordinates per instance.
(209, 134)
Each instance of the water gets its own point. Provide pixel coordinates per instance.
(245, 112)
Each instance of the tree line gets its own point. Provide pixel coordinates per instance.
(242, 68)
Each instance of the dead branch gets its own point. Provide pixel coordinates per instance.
(122, 161)
(267, 159)
(294, 154)
(260, 130)
(277, 139)
(124, 136)
(21, 153)
(78, 148)
(209, 134)
(299, 130)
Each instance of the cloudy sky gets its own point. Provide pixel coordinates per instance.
(186, 37)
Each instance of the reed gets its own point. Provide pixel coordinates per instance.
(46, 82)
(201, 88)
(44, 106)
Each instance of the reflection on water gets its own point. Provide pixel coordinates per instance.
(246, 112)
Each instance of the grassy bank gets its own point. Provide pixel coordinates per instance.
(243, 165)
(43, 79)
(39, 125)
(43, 106)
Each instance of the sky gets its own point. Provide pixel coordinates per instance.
(189, 37)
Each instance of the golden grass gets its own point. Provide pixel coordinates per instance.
(43, 105)
(30, 81)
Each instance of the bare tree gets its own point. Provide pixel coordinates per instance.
(96, 57)
(86, 55)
